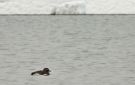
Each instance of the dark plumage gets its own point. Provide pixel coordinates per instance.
(42, 72)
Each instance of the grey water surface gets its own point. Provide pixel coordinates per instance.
(79, 50)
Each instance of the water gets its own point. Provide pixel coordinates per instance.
(79, 50)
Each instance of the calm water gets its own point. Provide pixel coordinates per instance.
(79, 50)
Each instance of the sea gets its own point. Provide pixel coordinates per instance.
(78, 49)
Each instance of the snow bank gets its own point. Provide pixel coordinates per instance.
(74, 7)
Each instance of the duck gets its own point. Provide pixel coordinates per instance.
(45, 71)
